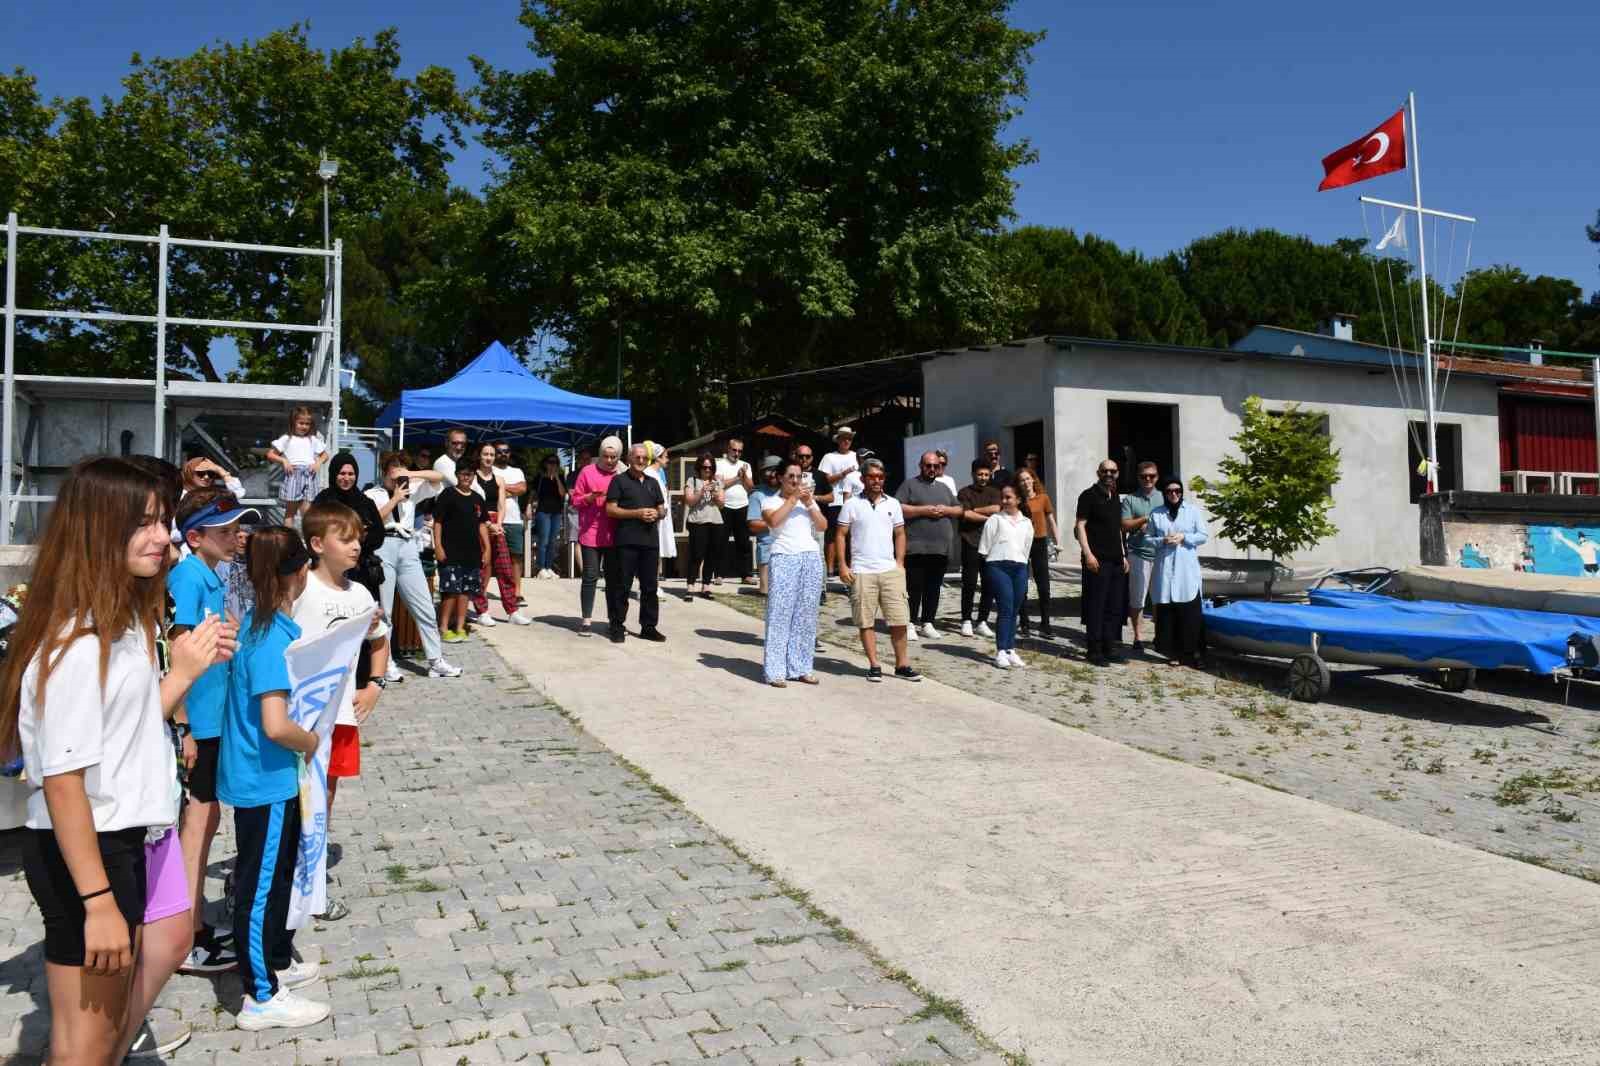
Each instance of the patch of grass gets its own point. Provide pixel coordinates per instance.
(396, 873)
(778, 941)
(424, 885)
(360, 971)
(1483, 755)
(641, 975)
(1435, 766)
(938, 1006)
(728, 967)
(1388, 794)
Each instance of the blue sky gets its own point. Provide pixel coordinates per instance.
(1155, 122)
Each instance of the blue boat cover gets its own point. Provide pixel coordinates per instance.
(1488, 638)
(500, 397)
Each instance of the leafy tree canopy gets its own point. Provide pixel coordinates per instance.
(748, 188)
(1088, 287)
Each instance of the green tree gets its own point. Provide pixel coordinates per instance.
(221, 144)
(1239, 280)
(1274, 495)
(1502, 305)
(1088, 287)
(740, 189)
(428, 282)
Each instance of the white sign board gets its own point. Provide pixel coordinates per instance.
(960, 442)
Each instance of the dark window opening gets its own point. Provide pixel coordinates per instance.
(1141, 432)
(1447, 438)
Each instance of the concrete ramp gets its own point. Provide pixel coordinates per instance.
(1088, 903)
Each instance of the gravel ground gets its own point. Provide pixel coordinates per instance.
(1505, 766)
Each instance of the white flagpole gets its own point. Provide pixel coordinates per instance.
(1415, 162)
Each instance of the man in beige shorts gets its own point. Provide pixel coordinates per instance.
(874, 527)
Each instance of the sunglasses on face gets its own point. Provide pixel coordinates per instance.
(1108, 473)
(1147, 477)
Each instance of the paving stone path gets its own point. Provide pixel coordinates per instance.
(1504, 767)
(519, 894)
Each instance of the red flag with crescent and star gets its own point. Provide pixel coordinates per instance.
(1383, 151)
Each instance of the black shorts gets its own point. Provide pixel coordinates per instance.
(832, 513)
(122, 853)
(203, 774)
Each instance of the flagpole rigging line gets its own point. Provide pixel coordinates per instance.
(1412, 207)
(1401, 386)
(1461, 302)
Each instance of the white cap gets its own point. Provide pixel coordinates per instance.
(843, 431)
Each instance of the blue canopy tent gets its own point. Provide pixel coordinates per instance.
(497, 396)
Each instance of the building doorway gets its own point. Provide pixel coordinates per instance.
(1141, 432)
(1028, 439)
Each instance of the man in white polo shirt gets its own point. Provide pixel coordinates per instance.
(873, 526)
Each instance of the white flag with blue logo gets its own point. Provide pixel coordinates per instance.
(320, 668)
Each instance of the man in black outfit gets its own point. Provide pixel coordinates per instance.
(635, 503)
(1098, 528)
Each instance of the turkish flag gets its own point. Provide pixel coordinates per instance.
(1383, 151)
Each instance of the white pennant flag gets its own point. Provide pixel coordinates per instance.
(1396, 235)
(320, 668)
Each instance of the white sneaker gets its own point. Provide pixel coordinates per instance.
(301, 972)
(983, 630)
(1016, 660)
(966, 628)
(911, 634)
(520, 619)
(283, 1011)
(394, 675)
(485, 621)
(929, 632)
(1002, 660)
(441, 667)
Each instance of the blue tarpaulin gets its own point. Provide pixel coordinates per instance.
(1356, 626)
(495, 395)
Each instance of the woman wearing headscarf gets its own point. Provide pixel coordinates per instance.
(1179, 530)
(344, 477)
(655, 459)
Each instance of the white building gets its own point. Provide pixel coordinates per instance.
(1076, 401)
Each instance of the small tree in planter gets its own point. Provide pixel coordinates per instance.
(1275, 495)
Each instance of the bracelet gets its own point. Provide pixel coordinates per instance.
(92, 895)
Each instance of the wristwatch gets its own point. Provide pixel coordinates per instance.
(381, 682)
(182, 728)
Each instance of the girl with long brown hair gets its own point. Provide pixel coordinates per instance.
(82, 696)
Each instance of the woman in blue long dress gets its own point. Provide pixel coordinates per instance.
(1179, 530)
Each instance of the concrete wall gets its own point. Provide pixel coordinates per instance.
(1378, 525)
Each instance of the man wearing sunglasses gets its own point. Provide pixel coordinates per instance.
(1136, 508)
(1098, 528)
(930, 510)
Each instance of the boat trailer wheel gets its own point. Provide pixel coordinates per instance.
(1456, 680)
(1309, 678)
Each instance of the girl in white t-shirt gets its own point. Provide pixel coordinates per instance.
(301, 452)
(82, 696)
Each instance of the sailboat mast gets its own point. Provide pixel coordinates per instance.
(1432, 460)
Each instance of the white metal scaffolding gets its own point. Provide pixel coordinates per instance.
(319, 388)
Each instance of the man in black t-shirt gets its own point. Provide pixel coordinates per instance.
(635, 503)
(1098, 528)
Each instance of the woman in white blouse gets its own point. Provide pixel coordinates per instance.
(794, 580)
(1006, 540)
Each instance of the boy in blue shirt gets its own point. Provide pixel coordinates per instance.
(208, 520)
(259, 777)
